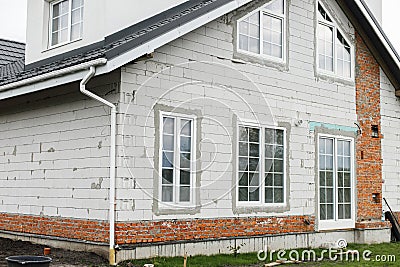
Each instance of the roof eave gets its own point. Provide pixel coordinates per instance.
(375, 38)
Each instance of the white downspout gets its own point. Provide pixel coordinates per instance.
(83, 83)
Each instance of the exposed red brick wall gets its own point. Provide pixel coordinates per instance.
(368, 149)
(88, 230)
(155, 231)
(372, 224)
(197, 229)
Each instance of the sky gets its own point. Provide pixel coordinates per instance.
(13, 20)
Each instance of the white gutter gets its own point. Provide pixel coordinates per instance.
(113, 125)
(53, 74)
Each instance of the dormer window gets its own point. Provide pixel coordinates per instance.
(262, 32)
(334, 51)
(66, 21)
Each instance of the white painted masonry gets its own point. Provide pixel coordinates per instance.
(54, 149)
(390, 109)
(229, 88)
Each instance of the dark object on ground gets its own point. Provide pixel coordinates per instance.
(61, 257)
(389, 215)
(28, 261)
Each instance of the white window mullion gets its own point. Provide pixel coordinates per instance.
(177, 161)
(335, 180)
(261, 32)
(69, 20)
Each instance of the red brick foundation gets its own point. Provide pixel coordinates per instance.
(88, 230)
(197, 229)
(368, 148)
(155, 231)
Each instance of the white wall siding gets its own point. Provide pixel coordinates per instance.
(54, 154)
(228, 89)
(390, 109)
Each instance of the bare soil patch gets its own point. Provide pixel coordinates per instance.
(61, 257)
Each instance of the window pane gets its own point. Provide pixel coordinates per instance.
(185, 144)
(255, 18)
(54, 38)
(76, 16)
(243, 42)
(253, 164)
(56, 25)
(243, 193)
(254, 150)
(63, 36)
(76, 32)
(278, 165)
(322, 212)
(169, 125)
(254, 179)
(56, 10)
(186, 127)
(64, 21)
(243, 149)
(254, 194)
(76, 3)
(243, 179)
(269, 165)
(185, 160)
(168, 159)
(168, 142)
(254, 135)
(184, 194)
(254, 31)
(243, 164)
(322, 181)
(185, 177)
(254, 45)
(347, 211)
(243, 134)
(166, 194)
(278, 180)
(278, 195)
(168, 176)
(269, 151)
(329, 212)
(64, 7)
(244, 27)
(279, 152)
(269, 136)
(269, 179)
(269, 195)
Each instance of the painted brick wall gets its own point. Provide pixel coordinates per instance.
(368, 148)
(54, 153)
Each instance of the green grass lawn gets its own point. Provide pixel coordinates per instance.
(250, 259)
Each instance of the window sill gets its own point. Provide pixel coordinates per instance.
(259, 208)
(173, 208)
(279, 64)
(60, 45)
(331, 77)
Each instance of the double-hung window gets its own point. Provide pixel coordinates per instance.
(263, 31)
(261, 166)
(336, 182)
(334, 51)
(177, 164)
(66, 21)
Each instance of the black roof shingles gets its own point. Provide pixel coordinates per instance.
(114, 44)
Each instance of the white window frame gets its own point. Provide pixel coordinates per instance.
(337, 223)
(336, 28)
(50, 33)
(176, 203)
(261, 12)
(261, 202)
